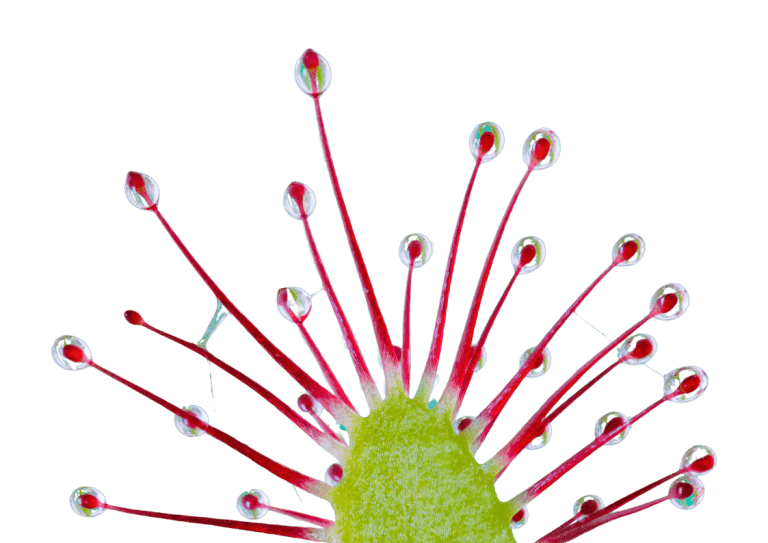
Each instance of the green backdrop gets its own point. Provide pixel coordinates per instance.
(657, 109)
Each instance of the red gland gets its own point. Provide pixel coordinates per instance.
(589, 507)
(133, 317)
(297, 191)
(689, 384)
(666, 303)
(526, 257)
(73, 353)
(681, 491)
(703, 464)
(486, 142)
(135, 181)
(613, 425)
(89, 501)
(282, 300)
(414, 249)
(306, 403)
(537, 362)
(519, 516)
(643, 348)
(310, 59)
(336, 472)
(463, 424)
(627, 251)
(541, 149)
(250, 502)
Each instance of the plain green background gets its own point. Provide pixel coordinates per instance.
(660, 109)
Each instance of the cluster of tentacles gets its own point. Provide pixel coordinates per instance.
(407, 470)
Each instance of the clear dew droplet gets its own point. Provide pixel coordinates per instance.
(537, 261)
(692, 378)
(702, 458)
(541, 148)
(334, 474)
(312, 73)
(587, 505)
(487, 138)
(606, 423)
(628, 250)
(66, 354)
(299, 200)
(519, 519)
(87, 501)
(683, 300)
(423, 255)
(686, 492)
(141, 190)
(542, 364)
(294, 303)
(540, 441)
(253, 504)
(482, 360)
(189, 427)
(638, 349)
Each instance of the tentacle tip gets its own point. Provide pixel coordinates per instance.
(87, 501)
(133, 317)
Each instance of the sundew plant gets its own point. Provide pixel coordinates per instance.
(404, 465)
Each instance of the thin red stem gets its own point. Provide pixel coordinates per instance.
(487, 418)
(379, 326)
(334, 406)
(476, 352)
(324, 367)
(581, 529)
(312, 534)
(281, 406)
(406, 369)
(430, 371)
(561, 528)
(636, 494)
(308, 484)
(481, 341)
(301, 516)
(530, 429)
(576, 395)
(450, 396)
(366, 380)
(327, 429)
(615, 505)
(528, 495)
